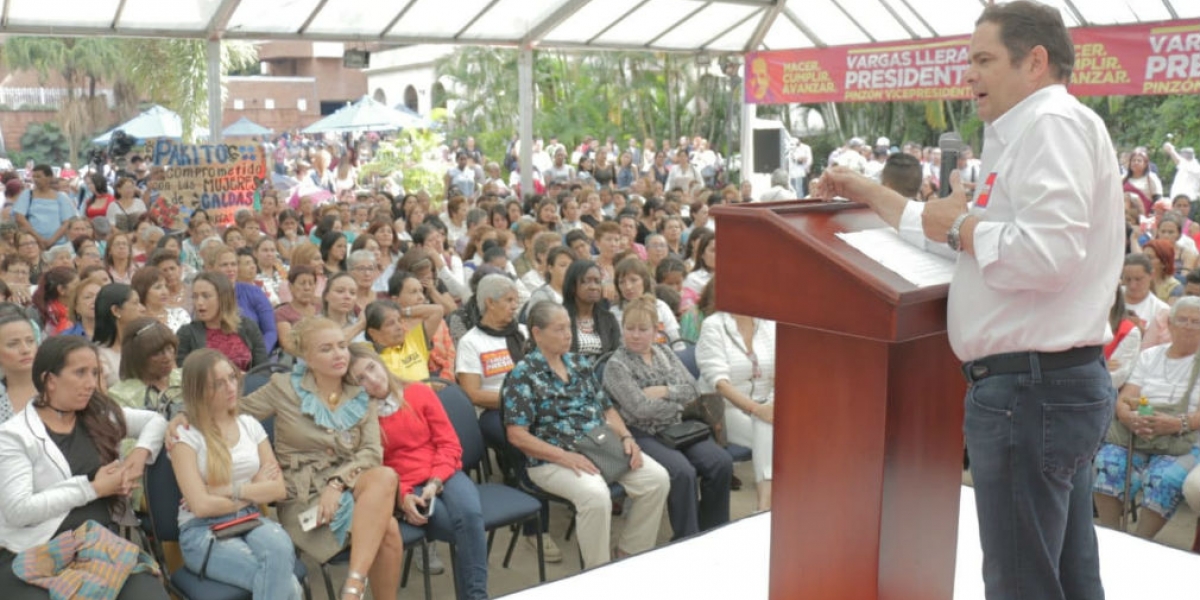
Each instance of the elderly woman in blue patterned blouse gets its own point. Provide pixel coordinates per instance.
(550, 399)
(650, 387)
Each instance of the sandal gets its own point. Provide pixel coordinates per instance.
(356, 591)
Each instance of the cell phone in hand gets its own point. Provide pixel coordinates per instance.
(308, 519)
(428, 512)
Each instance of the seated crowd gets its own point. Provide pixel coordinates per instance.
(127, 335)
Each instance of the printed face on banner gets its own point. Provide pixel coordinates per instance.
(760, 79)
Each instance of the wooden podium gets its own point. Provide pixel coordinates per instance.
(869, 406)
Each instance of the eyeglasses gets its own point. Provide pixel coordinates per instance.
(28, 243)
(365, 269)
(1186, 323)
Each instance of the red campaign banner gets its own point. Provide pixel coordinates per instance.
(1143, 59)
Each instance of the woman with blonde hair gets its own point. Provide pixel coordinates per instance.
(420, 444)
(327, 434)
(225, 467)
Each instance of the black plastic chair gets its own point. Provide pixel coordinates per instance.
(503, 506)
(162, 499)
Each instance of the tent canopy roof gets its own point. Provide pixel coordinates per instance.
(660, 25)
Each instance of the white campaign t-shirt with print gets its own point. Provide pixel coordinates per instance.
(243, 455)
(486, 356)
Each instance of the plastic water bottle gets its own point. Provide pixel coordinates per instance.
(1144, 409)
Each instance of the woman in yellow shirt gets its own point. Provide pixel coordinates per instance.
(402, 343)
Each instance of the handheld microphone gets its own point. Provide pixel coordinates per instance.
(951, 145)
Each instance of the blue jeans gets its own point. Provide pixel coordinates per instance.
(458, 519)
(705, 461)
(1031, 438)
(262, 561)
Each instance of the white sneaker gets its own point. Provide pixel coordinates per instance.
(550, 550)
(435, 564)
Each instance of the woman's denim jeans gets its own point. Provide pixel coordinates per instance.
(262, 561)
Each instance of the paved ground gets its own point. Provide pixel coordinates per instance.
(522, 573)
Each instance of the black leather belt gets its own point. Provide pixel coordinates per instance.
(1022, 362)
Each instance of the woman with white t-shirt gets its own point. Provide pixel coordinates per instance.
(1151, 312)
(225, 468)
(490, 350)
(1166, 377)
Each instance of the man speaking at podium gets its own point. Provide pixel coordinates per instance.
(1038, 258)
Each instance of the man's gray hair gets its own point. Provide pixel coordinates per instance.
(62, 249)
(779, 178)
(360, 256)
(475, 216)
(150, 231)
(492, 287)
(1192, 302)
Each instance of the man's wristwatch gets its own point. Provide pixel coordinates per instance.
(953, 239)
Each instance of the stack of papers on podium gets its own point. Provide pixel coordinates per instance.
(887, 248)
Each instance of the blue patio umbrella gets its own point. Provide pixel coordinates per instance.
(244, 127)
(154, 122)
(365, 115)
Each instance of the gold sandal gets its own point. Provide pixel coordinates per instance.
(357, 591)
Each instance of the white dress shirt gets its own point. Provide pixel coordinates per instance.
(37, 490)
(1050, 238)
(722, 355)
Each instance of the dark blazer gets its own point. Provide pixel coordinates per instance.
(606, 325)
(194, 336)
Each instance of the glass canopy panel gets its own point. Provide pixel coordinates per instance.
(1148, 12)
(707, 24)
(590, 20)
(948, 17)
(830, 24)
(354, 17)
(64, 13)
(1108, 13)
(736, 39)
(271, 16)
(909, 17)
(436, 18)
(784, 35)
(511, 19)
(1186, 9)
(649, 21)
(873, 17)
(1067, 14)
(184, 14)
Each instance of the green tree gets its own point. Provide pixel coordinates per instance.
(174, 73)
(80, 62)
(639, 94)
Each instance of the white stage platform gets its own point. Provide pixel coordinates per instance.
(733, 562)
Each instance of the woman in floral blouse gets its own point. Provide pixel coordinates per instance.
(552, 398)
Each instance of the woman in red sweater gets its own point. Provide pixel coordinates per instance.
(420, 443)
